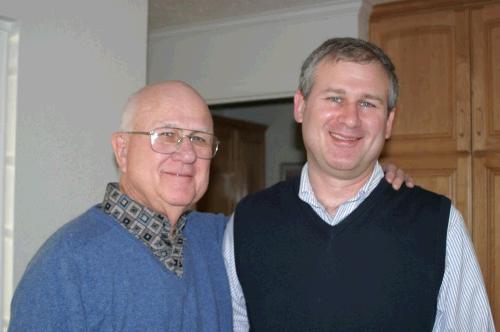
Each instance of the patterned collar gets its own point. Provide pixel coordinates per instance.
(150, 227)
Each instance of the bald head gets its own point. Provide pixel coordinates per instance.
(162, 94)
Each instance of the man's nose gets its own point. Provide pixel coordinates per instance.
(185, 150)
(350, 114)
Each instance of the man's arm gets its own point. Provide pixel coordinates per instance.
(462, 301)
(48, 297)
(240, 318)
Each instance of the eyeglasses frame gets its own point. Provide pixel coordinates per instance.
(180, 138)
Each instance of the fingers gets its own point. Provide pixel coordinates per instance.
(409, 182)
(390, 171)
(397, 177)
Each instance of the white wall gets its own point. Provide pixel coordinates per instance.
(252, 58)
(78, 62)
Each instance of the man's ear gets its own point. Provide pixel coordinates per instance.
(119, 141)
(389, 123)
(298, 106)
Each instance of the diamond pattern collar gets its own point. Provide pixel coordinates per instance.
(150, 227)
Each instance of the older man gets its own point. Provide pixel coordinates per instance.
(337, 249)
(141, 260)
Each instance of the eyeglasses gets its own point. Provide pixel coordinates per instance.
(166, 140)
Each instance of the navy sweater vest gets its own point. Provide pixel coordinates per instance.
(380, 269)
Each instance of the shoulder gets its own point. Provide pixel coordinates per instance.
(408, 205)
(85, 228)
(207, 218)
(416, 196)
(77, 236)
(425, 200)
(58, 257)
(68, 267)
(206, 224)
(427, 195)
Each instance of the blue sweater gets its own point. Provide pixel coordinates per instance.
(92, 275)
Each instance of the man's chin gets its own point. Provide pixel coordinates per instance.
(182, 201)
(343, 166)
(349, 170)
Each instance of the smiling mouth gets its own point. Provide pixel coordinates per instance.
(178, 174)
(346, 139)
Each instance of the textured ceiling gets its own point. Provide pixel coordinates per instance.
(165, 13)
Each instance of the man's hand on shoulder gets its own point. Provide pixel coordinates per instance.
(397, 176)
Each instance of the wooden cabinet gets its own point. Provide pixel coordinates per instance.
(434, 81)
(239, 166)
(486, 227)
(447, 127)
(485, 44)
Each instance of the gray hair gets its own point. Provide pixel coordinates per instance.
(351, 50)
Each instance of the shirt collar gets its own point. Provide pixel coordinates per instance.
(306, 192)
(148, 226)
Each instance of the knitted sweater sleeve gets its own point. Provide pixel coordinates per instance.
(48, 297)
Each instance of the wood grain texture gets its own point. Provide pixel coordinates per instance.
(447, 129)
(239, 166)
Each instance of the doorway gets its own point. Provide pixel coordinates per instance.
(282, 146)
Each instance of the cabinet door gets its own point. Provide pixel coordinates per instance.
(447, 174)
(239, 166)
(220, 196)
(486, 78)
(432, 57)
(486, 230)
(251, 153)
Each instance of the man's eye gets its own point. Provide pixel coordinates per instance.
(366, 104)
(167, 134)
(198, 139)
(335, 99)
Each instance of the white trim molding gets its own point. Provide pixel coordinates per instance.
(298, 14)
(9, 43)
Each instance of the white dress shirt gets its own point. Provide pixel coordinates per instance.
(462, 300)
